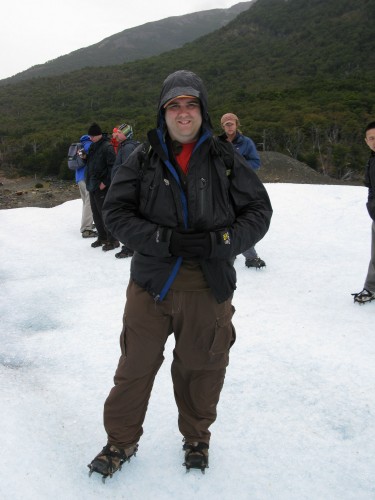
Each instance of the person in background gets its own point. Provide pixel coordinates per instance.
(122, 135)
(87, 221)
(246, 147)
(114, 143)
(368, 292)
(186, 215)
(100, 159)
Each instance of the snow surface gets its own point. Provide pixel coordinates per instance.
(296, 415)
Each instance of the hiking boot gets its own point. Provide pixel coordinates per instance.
(196, 455)
(364, 296)
(110, 245)
(256, 262)
(110, 460)
(97, 243)
(89, 233)
(125, 252)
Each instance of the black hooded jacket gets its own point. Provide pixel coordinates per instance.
(370, 183)
(100, 160)
(146, 201)
(125, 149)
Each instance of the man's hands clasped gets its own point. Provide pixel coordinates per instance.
(184, 243)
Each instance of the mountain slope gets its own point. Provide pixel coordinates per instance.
(136, 43)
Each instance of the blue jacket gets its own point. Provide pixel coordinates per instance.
(80, 174)
(246, 147)
(86, 143)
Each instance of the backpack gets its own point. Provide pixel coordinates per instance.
(74, 160)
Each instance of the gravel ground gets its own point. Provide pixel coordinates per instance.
(30, 192)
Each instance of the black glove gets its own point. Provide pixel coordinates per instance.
(190, 245)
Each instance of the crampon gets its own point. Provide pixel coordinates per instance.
(111, 459)
(196, 456)
(364, 296)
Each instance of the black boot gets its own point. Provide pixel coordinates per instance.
(97, 243)
(364, 296)
(256, 262)
(125, 252)
(110, 245)
(196, 456)
(110, 459)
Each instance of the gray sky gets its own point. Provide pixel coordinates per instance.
(36, 31)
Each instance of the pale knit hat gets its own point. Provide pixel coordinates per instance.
(229, 117)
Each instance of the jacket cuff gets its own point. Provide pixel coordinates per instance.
(163, 234)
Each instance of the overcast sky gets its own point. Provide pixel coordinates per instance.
(34, 32)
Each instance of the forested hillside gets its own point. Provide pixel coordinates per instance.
(299, 74)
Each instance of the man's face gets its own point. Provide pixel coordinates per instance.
(95, 138)
(184, 119)
(118, 135)
(230, 128)
(370, 139)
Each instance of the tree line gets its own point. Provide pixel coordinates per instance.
(298, 74)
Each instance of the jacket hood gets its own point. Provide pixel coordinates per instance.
(181, 83)
(86, 142)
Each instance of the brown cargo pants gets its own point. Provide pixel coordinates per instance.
(203, 333)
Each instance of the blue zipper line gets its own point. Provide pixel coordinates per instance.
(172, 170)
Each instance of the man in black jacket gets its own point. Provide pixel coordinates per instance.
(123, 134)
(368, 292)
(99, 163)
(187, 205)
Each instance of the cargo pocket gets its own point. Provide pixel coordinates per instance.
(225, 334)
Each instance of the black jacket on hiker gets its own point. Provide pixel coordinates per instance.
(125, 149)
(100, 160)
(370, 183)
(148, 199)
(99, 163)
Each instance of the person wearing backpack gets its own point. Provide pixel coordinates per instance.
(99, 163)
(122, 135)
(87, 221)
(246, 147)
(186, 214)
(77, 155)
